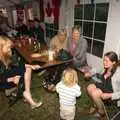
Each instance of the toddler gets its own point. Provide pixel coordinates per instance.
(68, 89)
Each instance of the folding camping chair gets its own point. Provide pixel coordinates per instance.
(18, 91)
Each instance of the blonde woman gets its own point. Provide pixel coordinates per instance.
(68, 89)
(59, 41)
(9, 72)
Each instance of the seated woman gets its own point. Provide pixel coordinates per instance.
(53, 75)
(59, 41)
(10, 72)
(77, 46)
(109, 86)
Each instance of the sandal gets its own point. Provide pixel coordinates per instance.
(98, 115)
(92, 110)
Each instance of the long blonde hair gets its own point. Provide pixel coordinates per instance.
(70, 77)
(4, 58)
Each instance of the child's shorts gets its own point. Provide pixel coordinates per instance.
(67, 112)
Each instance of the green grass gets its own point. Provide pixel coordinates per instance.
(50, 108)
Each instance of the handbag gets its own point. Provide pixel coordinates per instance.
(97, 78)
(64, 55)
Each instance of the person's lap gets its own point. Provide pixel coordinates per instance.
(16, 71)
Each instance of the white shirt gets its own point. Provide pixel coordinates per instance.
(67, 95)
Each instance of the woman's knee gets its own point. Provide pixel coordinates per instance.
(28, 71)
(91, 88)
(96, 93)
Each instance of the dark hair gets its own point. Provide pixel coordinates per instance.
(118, 63)
(112, 56)
(76, 27)
(30, 20)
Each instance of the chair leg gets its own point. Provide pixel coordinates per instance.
(19, 92)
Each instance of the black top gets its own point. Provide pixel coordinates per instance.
(15, 68)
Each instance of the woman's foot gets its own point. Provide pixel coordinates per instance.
(36, 105)
(29, 99)
(98, 115)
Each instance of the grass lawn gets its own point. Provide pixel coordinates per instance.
(50, 108)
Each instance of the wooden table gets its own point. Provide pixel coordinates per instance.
(26, 51)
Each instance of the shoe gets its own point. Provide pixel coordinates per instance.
(98, 115)
(36, 105)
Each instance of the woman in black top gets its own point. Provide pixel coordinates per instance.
(12, 72)
(105, 89)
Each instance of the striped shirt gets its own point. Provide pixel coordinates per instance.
(67, 95)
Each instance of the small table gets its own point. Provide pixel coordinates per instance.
(26, 51)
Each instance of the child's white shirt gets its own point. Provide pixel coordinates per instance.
(67, 95)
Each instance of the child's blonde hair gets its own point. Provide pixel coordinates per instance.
(70, 77)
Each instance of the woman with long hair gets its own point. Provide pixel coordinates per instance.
(109, 86)
(9, 72)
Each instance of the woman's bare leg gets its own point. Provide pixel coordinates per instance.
(95, 94)
(27, 92)
(27, 79)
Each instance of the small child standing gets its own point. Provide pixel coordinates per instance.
(68, 89)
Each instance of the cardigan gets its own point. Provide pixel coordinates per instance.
(115, 81)
(116, 86)
(79, 57)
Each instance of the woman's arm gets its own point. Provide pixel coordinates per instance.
(33, 67)
(53, 43)
(82, 48)
(106, 96)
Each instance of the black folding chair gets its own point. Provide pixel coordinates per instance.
(18, 91)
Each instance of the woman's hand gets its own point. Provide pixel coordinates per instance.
(14, 79)
(87, 75)
(56, 50)
(105, 96)
(33, 67)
